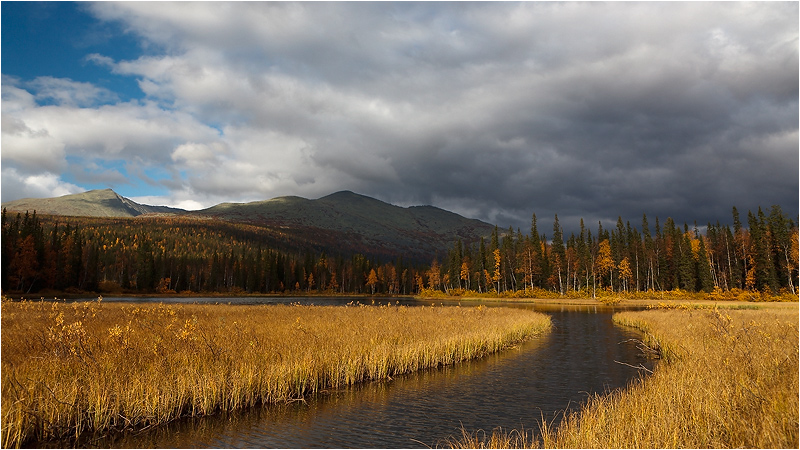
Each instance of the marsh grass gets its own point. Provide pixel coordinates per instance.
(729, 379)
(93, 368)
(610, 297)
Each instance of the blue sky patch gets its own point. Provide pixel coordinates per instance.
(54, 39)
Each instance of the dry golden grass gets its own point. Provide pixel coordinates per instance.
(498, 438)
(69, 369)
(729, 379)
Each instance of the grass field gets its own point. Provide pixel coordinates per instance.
(729, 378)
(94, 367)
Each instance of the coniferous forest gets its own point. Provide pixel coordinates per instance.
(168, 255)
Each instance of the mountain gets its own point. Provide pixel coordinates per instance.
(97, 203)
(346, 220)
(343, 222)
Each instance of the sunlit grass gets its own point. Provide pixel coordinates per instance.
(94, 367)
(729, 379)
(608, 296)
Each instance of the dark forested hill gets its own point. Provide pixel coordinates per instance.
(350, 243)
(346, 220)
(343, 222)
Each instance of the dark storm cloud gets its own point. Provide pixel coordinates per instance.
(493, 110)
(672, 133)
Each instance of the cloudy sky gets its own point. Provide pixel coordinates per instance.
(491, 110)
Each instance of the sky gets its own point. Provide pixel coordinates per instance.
(491, 110)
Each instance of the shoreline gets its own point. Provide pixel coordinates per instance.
(728, 379)
(76, 369)
(664, 303)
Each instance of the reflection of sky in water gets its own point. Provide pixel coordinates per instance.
(509, 390)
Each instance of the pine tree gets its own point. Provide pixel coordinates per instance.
(743, 247)
(145, 267)
(765, 270)
(558, 253)
(24, 267)
(649, 255)
(455, 258)
(536, 255)
(482, 264)
(584, 255)
(686, 263)
(780, 232)
(704, 276)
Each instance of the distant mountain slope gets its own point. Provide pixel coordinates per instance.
(349, 220)
(342, 222)
(97, 203)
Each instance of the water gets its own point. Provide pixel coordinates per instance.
(516, 389)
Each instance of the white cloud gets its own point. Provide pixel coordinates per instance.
(17, 185)
(199, 156)
(14, 97)
(66, 92)
(32, 149)
(173, 201)
(132, 130)
(508, 107)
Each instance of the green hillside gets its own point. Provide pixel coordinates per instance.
(343, 222)
(97, 203)
(359, 222)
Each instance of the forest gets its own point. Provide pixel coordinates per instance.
(174, 255)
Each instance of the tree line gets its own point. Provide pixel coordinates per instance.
(763, 256)
(178, 255)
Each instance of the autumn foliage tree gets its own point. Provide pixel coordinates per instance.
(604, 262)
(624, 258)
(182, 255)
(372, 280)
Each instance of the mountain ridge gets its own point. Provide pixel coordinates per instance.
(93, 203)
(341, 221)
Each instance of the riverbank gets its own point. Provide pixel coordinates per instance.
(685, 303)
(72, 369)
(80, 295)
(613, 297)
(729, 379)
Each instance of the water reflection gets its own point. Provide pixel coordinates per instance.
(514, 389)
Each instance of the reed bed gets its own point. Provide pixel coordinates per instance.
(90, 368)
(729, 379)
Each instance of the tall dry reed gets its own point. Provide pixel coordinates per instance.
(728, 379)
(69, 369)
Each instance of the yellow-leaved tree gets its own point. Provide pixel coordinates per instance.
(465, 274)
(434, 275)
(625, 272)
(496, 277)
(372, 280)
(604, 262)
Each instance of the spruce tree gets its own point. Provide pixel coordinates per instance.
(558, 254)
(704, 276)
(780, 231)
(536, 245)
(765, 270)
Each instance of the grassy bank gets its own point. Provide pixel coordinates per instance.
(612, 297)
(729, 379)
(94, 367)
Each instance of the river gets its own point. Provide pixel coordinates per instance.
(515, 389)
